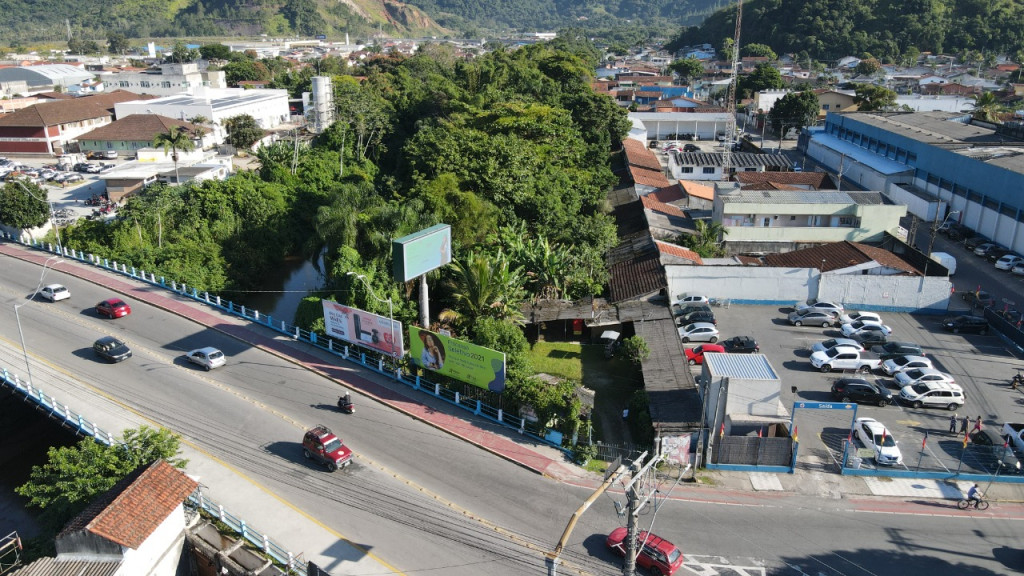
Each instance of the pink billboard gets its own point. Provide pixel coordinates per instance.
(363, 328)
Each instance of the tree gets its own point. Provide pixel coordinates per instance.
(868, 67)
(635, 349)
(177, 138)
(73, 476)
(869, 97)
(117, 43)
(243, 131)
(245, 69)
(707, 241)
(794, 110)
(986, 107)
(687, 68)
(79, 46)
(764, 77)
(183, 53)
(215, 52)
(484, 286)
(22, 205)
(759, 50)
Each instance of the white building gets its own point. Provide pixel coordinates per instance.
(167, 79)
(268, 107)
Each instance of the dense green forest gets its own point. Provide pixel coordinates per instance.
(511, 149)
(827, 30)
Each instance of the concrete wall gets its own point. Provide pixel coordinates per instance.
(782, 286)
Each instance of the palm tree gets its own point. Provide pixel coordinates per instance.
(485, 285)
(177, 138)
(986, 107)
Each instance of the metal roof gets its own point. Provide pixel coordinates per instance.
(787, 197)
(741, 366)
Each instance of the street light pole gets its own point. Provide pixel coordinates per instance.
(391, 310)
(17, 316)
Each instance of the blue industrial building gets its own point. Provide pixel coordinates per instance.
(937, 163)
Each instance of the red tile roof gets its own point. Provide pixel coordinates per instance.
(137, 127)
(816, 180)
(653, 204)
(669, 194)
(645, 177)
(128, 513)
(678, 251)
(701, 191)
(838, 255)
(638, 276)
(639, 155)
(67, 111)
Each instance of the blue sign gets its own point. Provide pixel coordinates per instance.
(321, 36)
(825, 405)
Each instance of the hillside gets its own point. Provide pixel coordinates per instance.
(886, 29)
(95, 19)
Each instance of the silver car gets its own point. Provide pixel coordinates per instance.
(698, 332)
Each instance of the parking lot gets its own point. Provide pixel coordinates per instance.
(982, 365)
(76, 197)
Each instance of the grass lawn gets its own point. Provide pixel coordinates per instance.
(561, 359)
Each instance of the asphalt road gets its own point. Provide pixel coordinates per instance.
(429, 504)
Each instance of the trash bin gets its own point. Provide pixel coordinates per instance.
(855, 462)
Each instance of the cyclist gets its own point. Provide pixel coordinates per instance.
(974, 495)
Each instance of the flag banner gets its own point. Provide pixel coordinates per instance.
(795, 438)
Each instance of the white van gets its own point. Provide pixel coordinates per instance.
(933, 394)
(947, 260)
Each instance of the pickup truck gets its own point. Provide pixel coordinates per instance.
(1016, 434)
(845, 358)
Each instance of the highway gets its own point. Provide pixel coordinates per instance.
(424, 502)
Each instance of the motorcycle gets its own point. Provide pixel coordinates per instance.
(345, 404)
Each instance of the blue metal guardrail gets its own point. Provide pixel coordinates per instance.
(366, 357)
(83, 427)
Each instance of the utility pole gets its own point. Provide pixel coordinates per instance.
(615, 471)
(638, 493)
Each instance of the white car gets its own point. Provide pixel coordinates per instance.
(901, 363)
(690, 299)
(833, 342)
(821, 305)
(874, 435)
(208, 358)
(698, 332)
(850, 330)
(1009, 261)
(861, 316)
(55, 292)
(922, 376)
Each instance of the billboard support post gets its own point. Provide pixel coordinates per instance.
(424, 303)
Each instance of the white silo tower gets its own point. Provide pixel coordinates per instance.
(321, 114)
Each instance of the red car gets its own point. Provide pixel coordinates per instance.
(322, 445)
(113, 308)
(696, 355)
(657, 555)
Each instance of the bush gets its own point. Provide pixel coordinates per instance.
(635, 349)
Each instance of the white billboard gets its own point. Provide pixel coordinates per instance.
(363, 328)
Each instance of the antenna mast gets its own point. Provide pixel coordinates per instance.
(730, 98)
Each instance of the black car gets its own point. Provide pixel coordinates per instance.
(870, 338)
(111, 349)
(740, 345)
(703, 315)
(958, 324)
(894, 349)
(990, 443)
(997, 253)
(975, 241)
(861, 391)
(684, 310)
(691, 148)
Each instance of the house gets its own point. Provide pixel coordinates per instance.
(845, 258)
(709, 166)
(785, 218)
(131, 133)
(644, 167)
(136, 527)
(948, 89)
(835, 101)
(765, 100)
(49, 127)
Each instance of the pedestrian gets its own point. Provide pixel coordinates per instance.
(964, 424)
(952, 423)
(977, 423)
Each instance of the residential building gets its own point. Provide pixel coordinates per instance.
(783, 219)
(134, 132)
(709, 166)
(835, 101)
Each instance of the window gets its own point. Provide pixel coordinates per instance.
(709, 169)
(687, 170)
(825, 106)
(165, 84)
(792, 218)
(122, 84)
(144, 84)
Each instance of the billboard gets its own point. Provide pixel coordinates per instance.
(363, 328)
(469, 363)
(418, 253)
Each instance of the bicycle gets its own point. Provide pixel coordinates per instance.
(966, 503)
